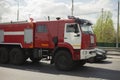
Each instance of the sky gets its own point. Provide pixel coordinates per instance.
(40, 9)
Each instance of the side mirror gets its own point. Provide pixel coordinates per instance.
(76, 28)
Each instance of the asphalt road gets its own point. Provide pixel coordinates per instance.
(106, 70)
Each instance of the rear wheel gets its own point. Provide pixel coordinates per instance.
(17, 56)
(3, 55)
(63, 60)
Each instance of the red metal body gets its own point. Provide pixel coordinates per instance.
(86, 44)
(14, 33)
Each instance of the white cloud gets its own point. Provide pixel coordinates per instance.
(40, 9)
(4, 8)
(85, 9)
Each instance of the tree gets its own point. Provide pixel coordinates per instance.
(104, 29)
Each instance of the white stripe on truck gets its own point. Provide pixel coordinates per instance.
(14, 33)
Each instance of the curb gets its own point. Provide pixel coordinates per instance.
(110, 49)
(113, 53)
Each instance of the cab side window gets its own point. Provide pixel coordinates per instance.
(41, 29)
(72, 28)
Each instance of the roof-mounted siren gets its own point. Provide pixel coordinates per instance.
(89, 23)
(31, 19)
(71, 17)
(86, 22)
(58, 18)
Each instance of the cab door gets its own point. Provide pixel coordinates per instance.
(72, 35)
(41, 36)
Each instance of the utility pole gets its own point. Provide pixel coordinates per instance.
(102, 23)
(102, 14)
(72, 9)
(29, 16)
(48, 18)
(117, 36)
(18, 10)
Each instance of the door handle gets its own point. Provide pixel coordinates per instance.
(77, 35)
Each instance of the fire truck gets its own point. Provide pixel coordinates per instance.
(65, 42)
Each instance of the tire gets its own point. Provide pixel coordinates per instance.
(17, 56)
(4, 55)
(63, 60)
(80, 63)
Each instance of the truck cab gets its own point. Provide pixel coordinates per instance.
(77, 41)
(80, 36)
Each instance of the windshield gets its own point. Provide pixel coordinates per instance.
(87, 29)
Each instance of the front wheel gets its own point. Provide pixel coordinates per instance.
(80, 63)
(63, 60)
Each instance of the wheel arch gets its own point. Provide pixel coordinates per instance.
(64, 46)
(11, 45)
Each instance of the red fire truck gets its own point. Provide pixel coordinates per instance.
(67, 43)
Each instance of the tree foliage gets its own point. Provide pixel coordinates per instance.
(104, 29)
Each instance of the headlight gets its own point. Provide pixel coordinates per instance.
(92, 39)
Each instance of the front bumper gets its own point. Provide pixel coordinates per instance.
(100, 57)
(86, 54)
(100, 54)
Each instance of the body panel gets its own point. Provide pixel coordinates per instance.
(14, 33)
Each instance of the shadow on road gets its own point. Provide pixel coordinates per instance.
(103, 62)
(86, 71)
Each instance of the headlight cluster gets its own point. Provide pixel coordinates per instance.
(92, 39)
